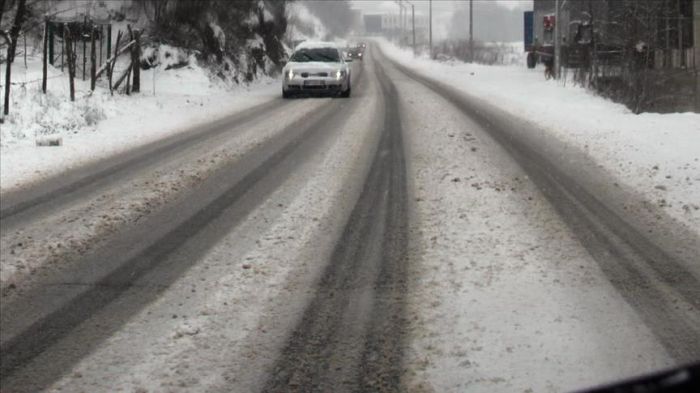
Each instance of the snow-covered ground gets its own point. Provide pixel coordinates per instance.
(221, 324)
(658, 155)
(87, 223)
(98, 125)
(503, 297)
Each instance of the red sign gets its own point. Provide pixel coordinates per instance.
(549, 21)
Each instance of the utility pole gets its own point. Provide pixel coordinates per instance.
(401, 21)
(430, 27)
(557, 40)
(413, 22)
(471, 31)
(404, 22)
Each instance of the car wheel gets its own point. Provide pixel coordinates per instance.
(347, 92)
(286, 94)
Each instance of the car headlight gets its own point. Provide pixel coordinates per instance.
(339, 74)
(290, 74)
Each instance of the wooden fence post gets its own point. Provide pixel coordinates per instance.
(71, 59)
(102, 40)
(93, 58)
(109, 39)
(51, 41)
(136, 60)
(82, 38)
(24, 38)
(45, 70)
(8, 71)
(114, 61)
(127, 88)
(63, 49)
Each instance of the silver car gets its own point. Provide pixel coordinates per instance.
(317, 68)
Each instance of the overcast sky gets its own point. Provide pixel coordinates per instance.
(443, 10)
(439, 6)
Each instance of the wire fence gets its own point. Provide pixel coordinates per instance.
(24, 83)
(82, 34)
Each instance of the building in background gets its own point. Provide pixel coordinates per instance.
(616, 44)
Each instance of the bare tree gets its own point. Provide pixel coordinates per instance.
(2, 11)
(11, 39)
(155, 9)
(223, 29)
(643, 30)
(624, 49)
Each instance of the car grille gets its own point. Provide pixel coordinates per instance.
(321, 74)
(319, 87)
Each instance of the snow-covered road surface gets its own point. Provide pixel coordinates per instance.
(504, 295)
(402, 239)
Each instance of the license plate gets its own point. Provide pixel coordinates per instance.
(314, 83)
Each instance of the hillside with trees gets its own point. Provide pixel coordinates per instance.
(241, 40)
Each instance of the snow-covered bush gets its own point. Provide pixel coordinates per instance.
(491, 53)
(35, 114)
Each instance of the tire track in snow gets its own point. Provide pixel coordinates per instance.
(53, 193)
(350, 337)
(66, 303)
(651, 279)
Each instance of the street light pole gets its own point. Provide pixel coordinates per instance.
(398, 24)
(430, 27)
(402, 21)
(413, 22)
(471, 30)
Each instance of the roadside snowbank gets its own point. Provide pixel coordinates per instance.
(503, 296)
(656, 154)
(98, 125)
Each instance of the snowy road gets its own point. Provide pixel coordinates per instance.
(410, 237)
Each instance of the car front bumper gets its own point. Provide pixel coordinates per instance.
(315, 85)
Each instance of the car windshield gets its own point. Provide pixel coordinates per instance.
(328, 55)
